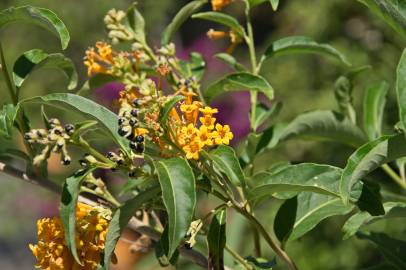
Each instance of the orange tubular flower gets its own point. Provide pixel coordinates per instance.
(215, 35)
(219, 4)
(51, 250)
(99, 61)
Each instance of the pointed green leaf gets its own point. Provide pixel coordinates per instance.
(274, 4)
(221, 18)
(70, 194)
(392, 11)
(238, 82)
(39, 16)
(285, 219)
(36, 59)
(354, 223)
(264, 115)
(180, 18)
(231, 61)
(122, 216)
(216, 239)
(227, 162)
(374, 103)
(168, 107)
(301, 44)
(369, 157)
(254, 3)
(137, 23)
(401, 89)
(179, 195)
(7, 116)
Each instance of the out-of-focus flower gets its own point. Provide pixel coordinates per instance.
(223, 135)
(51, 250)
(219, 4)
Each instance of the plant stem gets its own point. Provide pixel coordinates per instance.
(395, 177)
(238, 257)
(7, 78)
(85, 145)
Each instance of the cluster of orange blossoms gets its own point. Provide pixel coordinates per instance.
(51, 250)
(190, 136)
(100, 59)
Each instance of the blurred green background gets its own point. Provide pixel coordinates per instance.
(302, 82)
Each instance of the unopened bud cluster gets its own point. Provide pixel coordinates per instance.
(54, 139)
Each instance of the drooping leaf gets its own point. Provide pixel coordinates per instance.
(227, 162)
(264, 115)
(105, 117)
(401, 89)
(121, 217)
(238, 82)
(179, 196)
(274, 4)
(354, 223)
(70, 194)
(285, 219)
(38, 16)
(137, 23)
(369, 157)
(216, 239)
(374, 103)
(180, 18)
(301, 44)
(34, 59)
(254, 3)
(231, 61)
(392, 11)
(393, 249)
(168, 107)
(7, 115)
(221, 18)
(343, 87)
(323, 125)
(312, 209)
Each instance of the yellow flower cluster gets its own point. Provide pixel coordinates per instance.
(100, 59)
(51, 250)
(193, 136)
(219, 4)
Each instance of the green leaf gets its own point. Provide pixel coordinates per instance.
(325, 126)
(301, 44)
(290, 180)
(401, 89)
(369, 157)
(168, 107)
(179, 195)
(137, 24)
(265, 115)
(343, 94)
(39, 16)
(254, 3)
(216, 239)
(105, 117)
(122, 216)
(231, 61)
(180, 18)
(392, 11)
(70, 194)
(36, 59)
(227, 162)
(285, 219)
(274, 4)
(393, 249)
(374, 103)
(7, 116)
(162, 248)
(221, 18)
(197, 65)
(312, 209)
(238, 82)
(392, 210)
(370, 199)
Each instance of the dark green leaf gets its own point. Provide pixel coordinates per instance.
(168, 107)
(121, 217)
(179, 195)
(393, 249)
(370, 199)
(324, 125)
(38, 16)
(392, 210)
(197, 65)
(374, 103)
(300, 44)
(313, 208)
(285, 219)
(227, 162)
(216, 239)
(221, 18)
(343, 94)
(231, 61)
(401, 89)
(260, 263)
(162, 248)
(238, 82)
(369, 157)
(70, 194)
(254, 3)
(36, 59)
(180, 18)
(89, 108)
(392, 11)
(137, 23)
(7, 116)
(264, 115)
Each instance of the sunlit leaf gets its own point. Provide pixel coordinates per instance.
(7, 115)
(137, 23)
